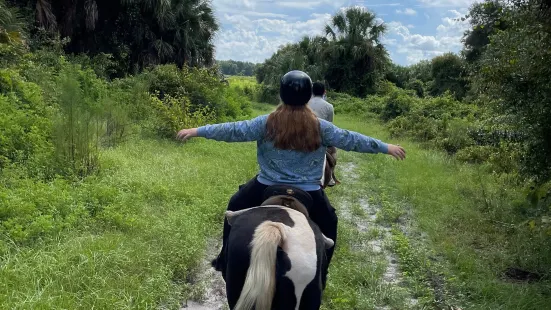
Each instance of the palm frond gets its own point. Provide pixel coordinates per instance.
(91, 14)
(44, 14)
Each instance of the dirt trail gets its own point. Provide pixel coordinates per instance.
(212, 282)
(214, 285)
(392, 275)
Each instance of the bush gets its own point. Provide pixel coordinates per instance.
(344, 103)
(453, 136)
(419, 127)
(514, 72)
(202, 87)
(269, 94)
(395, 104)
(174, 114)
(89, 116)
(25, 123)
(418, 87)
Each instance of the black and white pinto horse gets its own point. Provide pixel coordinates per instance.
(275, 254)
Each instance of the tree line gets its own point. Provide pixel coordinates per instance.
(134, 33)
(234, 67)
(501, 76)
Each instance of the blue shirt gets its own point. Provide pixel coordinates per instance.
(301, 169)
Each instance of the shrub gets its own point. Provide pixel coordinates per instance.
(202, 87)
(453, 135)
(173, 114)
(24, 123)
(418, 87)
(344, 103)
(395, 104)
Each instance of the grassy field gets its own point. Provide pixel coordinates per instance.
(160, 200)
(154, 205)
(450, 230)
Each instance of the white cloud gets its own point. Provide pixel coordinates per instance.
(410, 26)
(299, 5)
(253, 13)
(447, 3)
(378, 4)
(417, 47)
(407, 11)
(257, 39)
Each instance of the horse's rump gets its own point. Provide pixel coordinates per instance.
(275, 242)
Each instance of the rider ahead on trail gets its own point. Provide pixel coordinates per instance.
(291, 148)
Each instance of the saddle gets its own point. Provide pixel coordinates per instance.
(288, 196)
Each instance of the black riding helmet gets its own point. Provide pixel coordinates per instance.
(295, 88)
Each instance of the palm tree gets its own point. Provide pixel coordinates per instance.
(355, 57)
(11, 27)
(163, 31)
(194, 29)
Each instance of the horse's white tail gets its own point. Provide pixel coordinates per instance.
(260, 284)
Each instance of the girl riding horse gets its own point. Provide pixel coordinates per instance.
(291, 148)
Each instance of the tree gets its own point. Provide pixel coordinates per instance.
(138, 33)
(355, 57)
(350, 58)
(232, 67)
(486, 18)
(448, 74)
(421, 71)
(515, 73)
(398, 75)
(11, 26)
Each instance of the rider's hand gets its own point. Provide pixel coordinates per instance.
(397, 151)
(185, 134)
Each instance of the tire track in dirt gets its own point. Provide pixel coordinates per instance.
(392, 276)
(211, 281)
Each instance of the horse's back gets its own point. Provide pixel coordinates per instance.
(297, 256)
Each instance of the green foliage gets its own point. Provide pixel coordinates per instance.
(202, 88)
(355, 36)
(421, 71)
(350, 58)
(461, 227)
(395, 104)
(344, 103)
(417, 86)
(138, 228)
(233, 67)
(486, 19)
(174, 114)
(514, 72)
(398, 75)
(25, 122)
(77, 126)
(449, 75)
(175, 31)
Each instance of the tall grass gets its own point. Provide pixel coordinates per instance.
(466, 227)
(133, 234)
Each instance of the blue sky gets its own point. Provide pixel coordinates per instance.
(252, 30)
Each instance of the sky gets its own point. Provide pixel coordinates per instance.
(252, 30)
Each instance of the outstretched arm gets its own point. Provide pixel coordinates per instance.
(353, 141)
(242, 131)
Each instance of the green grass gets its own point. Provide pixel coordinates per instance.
(134, 233)
(356, 272)
(456, 227)
(141, 250)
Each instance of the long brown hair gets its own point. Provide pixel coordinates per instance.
(294, 128)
